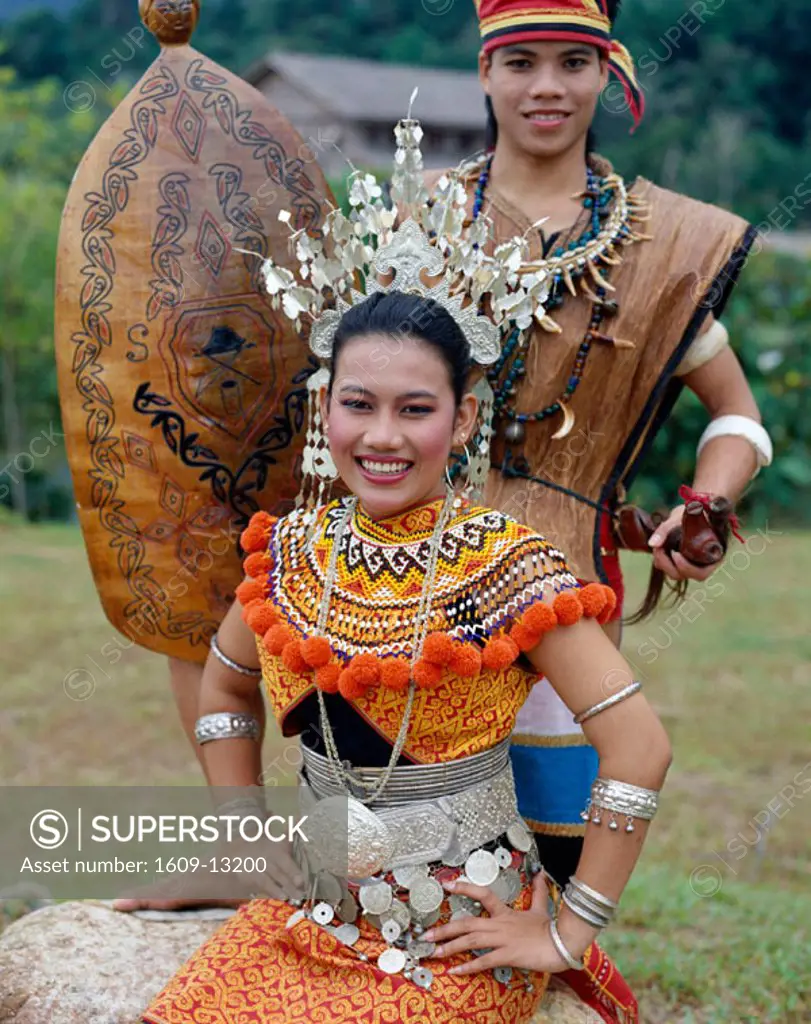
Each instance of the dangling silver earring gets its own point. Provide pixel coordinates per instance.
(317, 464)
(479, 462)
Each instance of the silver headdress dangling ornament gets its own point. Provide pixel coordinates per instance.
(431, 253)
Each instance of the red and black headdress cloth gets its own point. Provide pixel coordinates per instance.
(508, 22)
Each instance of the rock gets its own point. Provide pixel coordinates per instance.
(85, 963)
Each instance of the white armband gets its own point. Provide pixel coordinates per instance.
(704, 348)
(740, 426)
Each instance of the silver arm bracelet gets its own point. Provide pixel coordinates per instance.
(609, 702)
(243, 670)
(591, 894)
(620, 798)
(226, 725)
(563, 952)
(585, 912)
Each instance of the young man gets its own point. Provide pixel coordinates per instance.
(636, 280)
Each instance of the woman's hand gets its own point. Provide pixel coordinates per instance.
(515, 938)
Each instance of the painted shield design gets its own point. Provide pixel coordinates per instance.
(183, 393)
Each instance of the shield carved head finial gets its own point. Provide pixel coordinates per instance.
(172, 22)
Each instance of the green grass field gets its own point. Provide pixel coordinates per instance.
(716, 924)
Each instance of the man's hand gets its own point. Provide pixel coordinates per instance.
(676, 566)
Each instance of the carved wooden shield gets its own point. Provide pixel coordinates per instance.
(183, 393)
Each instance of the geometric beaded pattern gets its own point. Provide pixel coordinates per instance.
(490, 568)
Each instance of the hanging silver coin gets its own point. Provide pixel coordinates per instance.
(376, 898)
(347, 933)
(391, 931)
(426, 896)
(294, 919)
(458, 915)
(481, 868)
(348, 909)
(398, 912)
(519, 837)
(473, 907)
(406, 876)
(423, 921)
(391, 961)
(501, 889)
(421, 949)
(504, 858)
(512, 880)
(375, 921)
(422, 977)
(323, 914)
(503, 974)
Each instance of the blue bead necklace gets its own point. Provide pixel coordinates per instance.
(504, 376)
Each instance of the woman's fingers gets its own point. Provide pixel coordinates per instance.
(482, 894)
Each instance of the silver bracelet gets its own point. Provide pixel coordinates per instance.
(588, 904)
(620, 798)
(609, 702)
(226, 725)
(585, 912)
(243, 670)
(563, 952)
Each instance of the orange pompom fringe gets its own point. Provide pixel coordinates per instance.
(365, 669)
(539, 619)
(326, 678)
(316, 651)
(395, 674)
(251, 590)
(257, 565)
(567, 608)
(427, 675)
(255, 536)
(438, 649)
(277, 638)
(349, 686)
(605, 615)
(293, 659)
(466, 661)
(260, 616)
(499, 653)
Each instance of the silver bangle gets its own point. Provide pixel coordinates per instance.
(243, 670)
(584, 911)
(609, 702)
(596, 898)
(620, 798)
(226, 725)
(563, 952)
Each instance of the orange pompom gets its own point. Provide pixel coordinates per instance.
(293, 659)
(251, 590)
(593, 599)
(277, 638)
(427, 675)
(438, 648)
(499, 653)
(567, 608)
(260, 616)
(395, 673)
(607, 613)
(466, 661)
(539, 618)
(365, 669)
(526, 638)
(326, 678)
(257, 564)
(255, 536)
(316, 651)
(349, 687)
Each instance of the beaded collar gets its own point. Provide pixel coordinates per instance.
(580, 266)
(411, 526)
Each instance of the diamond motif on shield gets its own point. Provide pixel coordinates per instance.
(189, 126)
(172, 498)
(139, 452)
(207, 518)
(212, 247)
(160, 531)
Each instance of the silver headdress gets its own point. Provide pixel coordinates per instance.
(431, 252)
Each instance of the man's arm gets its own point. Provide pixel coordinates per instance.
(727, 463)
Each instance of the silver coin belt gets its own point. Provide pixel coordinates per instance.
(406, 898)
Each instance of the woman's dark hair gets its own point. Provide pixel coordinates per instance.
(407, 317)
